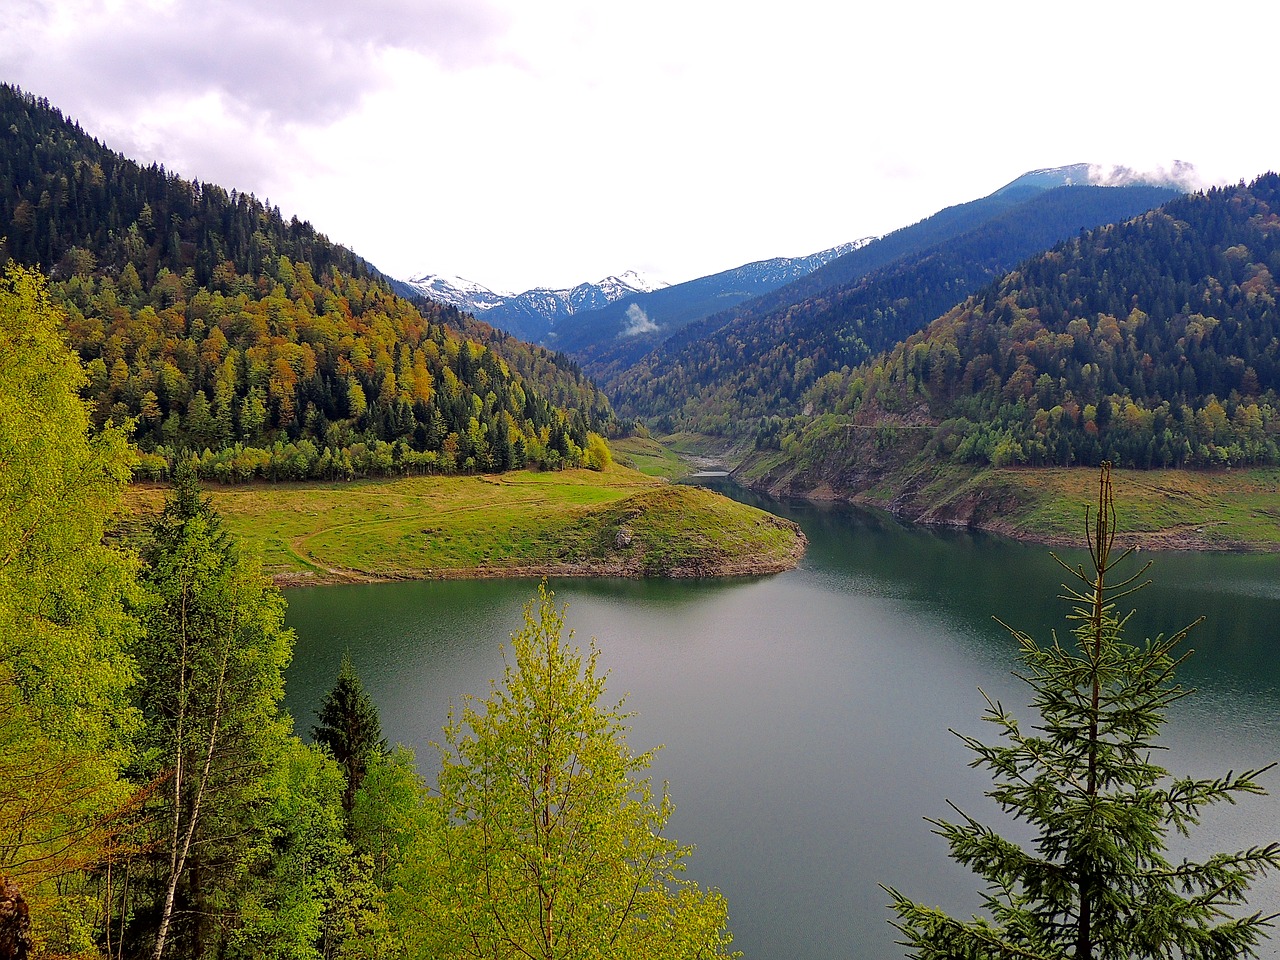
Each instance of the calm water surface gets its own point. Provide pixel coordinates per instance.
(805, 716)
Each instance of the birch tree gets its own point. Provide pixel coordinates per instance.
(548, 840)
(212, 663)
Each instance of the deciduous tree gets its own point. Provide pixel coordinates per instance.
(212, 664)
(548, 841)
(65, 716)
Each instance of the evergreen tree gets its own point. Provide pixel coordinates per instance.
(350, 728)
(1095, 883)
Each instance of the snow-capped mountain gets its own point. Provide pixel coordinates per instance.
(531, 315)
(466, 295)
(1178, 175)
(780, 270)
(660, 313)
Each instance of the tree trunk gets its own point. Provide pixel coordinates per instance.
(179, 859)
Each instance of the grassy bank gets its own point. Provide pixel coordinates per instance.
(1157, 509)
(574, 522)
(1179, 509)
(892, 467)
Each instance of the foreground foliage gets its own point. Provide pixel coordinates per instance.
(65, 716)
(1095, 882)
(545, 839)
(153, 800)
(212, 667)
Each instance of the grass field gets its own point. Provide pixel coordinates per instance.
(649, 457)
(618, 522)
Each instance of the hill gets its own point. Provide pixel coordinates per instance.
(224, 330)
(570, 523)
(1151, 343)
(724, 374)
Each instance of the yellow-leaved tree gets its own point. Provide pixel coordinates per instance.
(545, 839)
(65, 718)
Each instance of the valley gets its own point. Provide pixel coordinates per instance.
(205, 400)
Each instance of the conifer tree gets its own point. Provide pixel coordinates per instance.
(1094, 883)
(350, 728)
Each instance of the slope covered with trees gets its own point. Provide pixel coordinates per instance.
(726, 372)
(1155, 342)
(216, 325)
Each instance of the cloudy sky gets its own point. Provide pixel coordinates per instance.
(546, 142)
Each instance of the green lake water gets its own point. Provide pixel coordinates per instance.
(804, 717)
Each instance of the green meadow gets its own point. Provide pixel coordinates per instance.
(574, 522)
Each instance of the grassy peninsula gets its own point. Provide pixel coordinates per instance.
(524, 523)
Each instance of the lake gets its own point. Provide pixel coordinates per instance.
(804, 717)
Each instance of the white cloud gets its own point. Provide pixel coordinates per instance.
(1176, 173)
(501, 139)
(637, 322)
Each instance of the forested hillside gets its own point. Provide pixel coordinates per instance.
(723, 374)
(218, 326)
(1155, 342)
(155, 800)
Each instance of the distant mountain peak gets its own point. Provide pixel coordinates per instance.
(1177, 175)
(533, 313)
(458, 292)
(635, 281)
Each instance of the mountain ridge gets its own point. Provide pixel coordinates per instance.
(1150, 343)
(724, 372)
(558, 317)
(531, 314)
